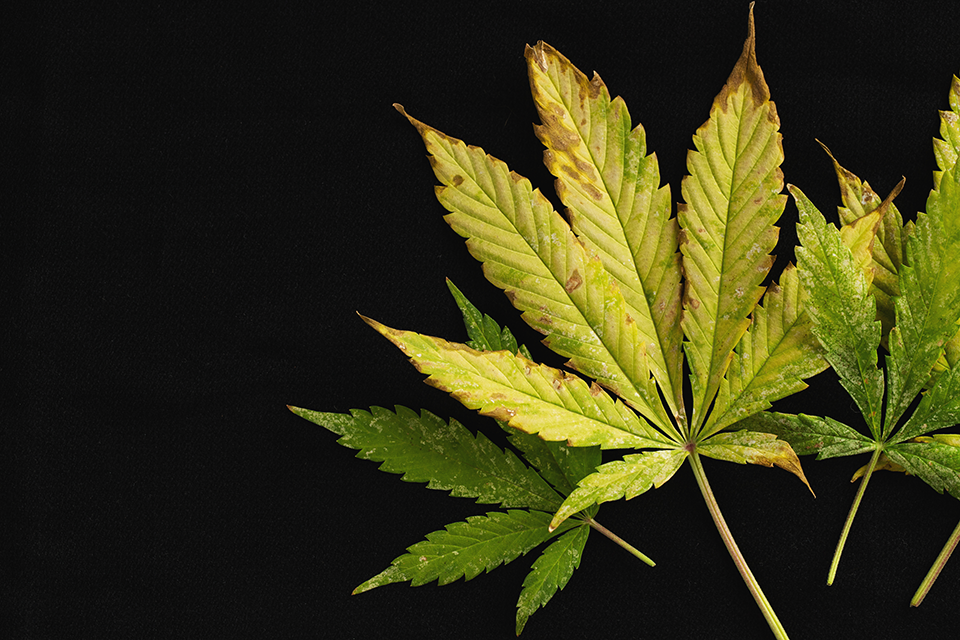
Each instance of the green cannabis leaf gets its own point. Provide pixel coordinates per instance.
(447, 456)
(627, 294)
(874, 281)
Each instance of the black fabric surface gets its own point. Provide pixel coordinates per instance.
(200, 196)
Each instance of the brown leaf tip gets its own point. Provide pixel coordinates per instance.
(747, 70)
(536, 54)
(420, 127)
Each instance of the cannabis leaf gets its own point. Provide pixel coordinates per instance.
(877, 281)
(447, 456)
(625, 293)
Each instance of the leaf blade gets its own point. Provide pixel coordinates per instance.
(615, 202)
(733, 198)
(445, 455)
(465, 549)
(627, 478)
(842, 309)
(484, 332)
(528, 396)
(551, 572)
(752, 447)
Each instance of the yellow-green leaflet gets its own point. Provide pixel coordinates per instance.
(615, 203)
(528, 396)
(732, 200)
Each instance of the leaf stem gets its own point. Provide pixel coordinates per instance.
(850, 516)
(620, 541)
(732, 547)
(936, 568)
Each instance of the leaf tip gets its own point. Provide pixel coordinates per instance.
(747, 70)
(377, 326)
(419, 126)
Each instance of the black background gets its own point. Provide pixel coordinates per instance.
(201, 197)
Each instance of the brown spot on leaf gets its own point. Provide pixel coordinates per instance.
(500, 413)
(595, 389)
(592, 191)
(573, 282)
(457, 180)
(694, 303)
(555, 135)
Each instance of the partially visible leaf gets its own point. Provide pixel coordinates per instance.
(952, 439)
(529, 251)
(626, 478)
(753, 447)
(551, 571)
(884, 463)
(484, 332)
(939, 408)
(809, 434)
(465, 549)
(843, 311)
(615, 202)
(773, 358)
(859, 236)
(947, 149)
(447, 456)
(561, 465)
(928, 308)
(528, 396)
(946, 152)
(859, 201)
(951, 355)
(936, 463)
(733, 198)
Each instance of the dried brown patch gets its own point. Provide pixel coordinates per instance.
(747, 71)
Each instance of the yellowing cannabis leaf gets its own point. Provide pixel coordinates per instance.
(623, 290)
